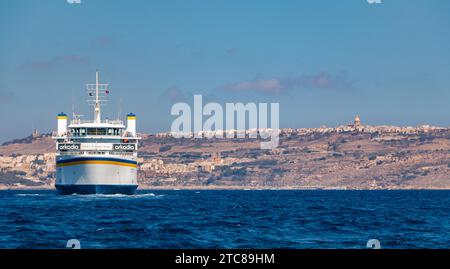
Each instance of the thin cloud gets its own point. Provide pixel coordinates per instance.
(199, 53)
(55, 62)
(278, 86)
(232, 51)
(273, 86)
(103, 42)
(175, 94)
(5, 96)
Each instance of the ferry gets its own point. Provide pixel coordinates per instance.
(96, 156)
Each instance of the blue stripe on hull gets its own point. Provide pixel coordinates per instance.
(96, 189)
(79, 159)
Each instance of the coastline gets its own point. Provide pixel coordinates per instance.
(233, 187)
(317, 161)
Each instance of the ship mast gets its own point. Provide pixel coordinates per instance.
(97, 96)
(97, 102)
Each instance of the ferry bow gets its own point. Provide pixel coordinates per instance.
(96, 156)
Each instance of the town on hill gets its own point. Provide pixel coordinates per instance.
(353, 156)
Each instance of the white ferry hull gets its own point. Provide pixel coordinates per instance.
(95, 175)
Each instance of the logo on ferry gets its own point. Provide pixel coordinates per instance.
(124, 147)
(68, 146)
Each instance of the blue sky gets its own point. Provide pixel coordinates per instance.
(323, 61)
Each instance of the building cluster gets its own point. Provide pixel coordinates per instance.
(30, 166)
(158, 166)
(355, 126)
(250, 133)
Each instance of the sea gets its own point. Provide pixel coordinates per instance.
(262, 219)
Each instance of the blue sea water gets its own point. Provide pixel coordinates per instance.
(226, 219)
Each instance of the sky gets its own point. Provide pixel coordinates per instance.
(323, 61)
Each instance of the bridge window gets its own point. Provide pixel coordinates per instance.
(96, 131)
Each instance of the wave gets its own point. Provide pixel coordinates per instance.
(106, 196)
(147, 195)
(29, 194)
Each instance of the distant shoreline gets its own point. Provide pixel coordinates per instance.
(243, 188)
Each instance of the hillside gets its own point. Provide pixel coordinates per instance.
(332, 160)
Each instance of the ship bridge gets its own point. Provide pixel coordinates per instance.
(89, 128)
(97, 136)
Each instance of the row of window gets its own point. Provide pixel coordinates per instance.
(95, 131)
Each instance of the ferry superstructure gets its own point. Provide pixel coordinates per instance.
(96, 156)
